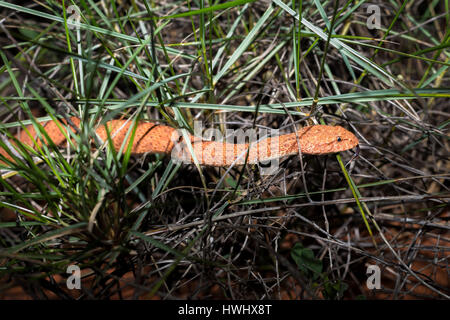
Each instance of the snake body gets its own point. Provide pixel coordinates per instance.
(155, 138)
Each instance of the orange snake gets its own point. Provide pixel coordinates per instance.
(153, 138)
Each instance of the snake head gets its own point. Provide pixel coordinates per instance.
(322, 139)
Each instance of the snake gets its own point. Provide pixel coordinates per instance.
(153, 138)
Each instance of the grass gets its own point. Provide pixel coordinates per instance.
(147, 227)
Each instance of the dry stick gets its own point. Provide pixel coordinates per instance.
(404, 198)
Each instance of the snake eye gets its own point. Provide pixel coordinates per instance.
(339, 139)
